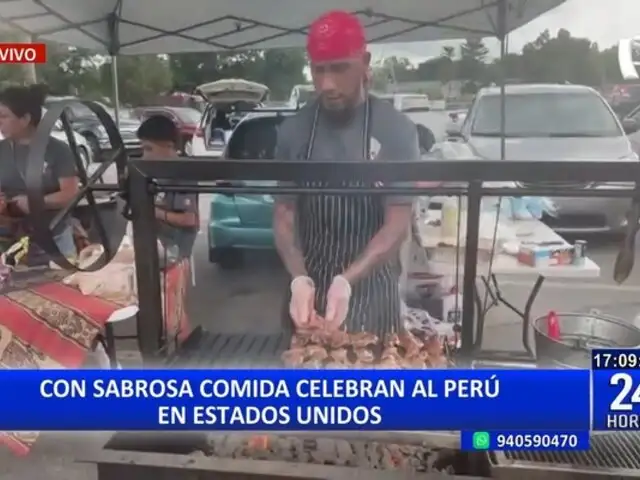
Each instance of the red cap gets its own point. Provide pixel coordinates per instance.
(336, 35)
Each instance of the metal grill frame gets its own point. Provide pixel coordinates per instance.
(142, 185)
(612, 454)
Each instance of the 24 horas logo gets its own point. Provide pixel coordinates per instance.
(23, 53)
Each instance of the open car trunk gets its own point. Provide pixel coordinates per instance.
(233, 90)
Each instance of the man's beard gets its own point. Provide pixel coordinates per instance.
(342, 114)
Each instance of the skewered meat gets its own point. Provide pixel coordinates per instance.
(392, 340)
(338, 339)
(315, 352)
(363, 339)
(293, 357)
(340, 355)
(389, 362)
(365, 355)
(313, 364)
(433, 346)
(414, 362)
(410, 344)
(299, 341)
(390, 353)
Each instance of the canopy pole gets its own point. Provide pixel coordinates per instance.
(115, 90)
(502, 37)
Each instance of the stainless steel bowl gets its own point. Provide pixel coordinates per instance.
(580, 333)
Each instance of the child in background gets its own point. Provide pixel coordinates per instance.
(176, 213)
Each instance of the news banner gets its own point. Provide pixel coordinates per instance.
(493, 409)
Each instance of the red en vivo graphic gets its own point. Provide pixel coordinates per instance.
(23, 53)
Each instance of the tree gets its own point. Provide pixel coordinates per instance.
(141, 78)
(472, 68)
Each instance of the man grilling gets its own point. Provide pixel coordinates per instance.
(343, 251)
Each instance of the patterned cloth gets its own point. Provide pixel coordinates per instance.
(46, 324)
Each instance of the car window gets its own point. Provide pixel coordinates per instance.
(635, 115)
(546, 114)
(255, 139)
(188, 115)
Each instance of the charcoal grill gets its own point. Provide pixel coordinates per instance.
(164, 456)
(615, 455)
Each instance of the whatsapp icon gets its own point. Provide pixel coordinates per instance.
(481, 441)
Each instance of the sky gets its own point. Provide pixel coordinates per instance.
(603, 21)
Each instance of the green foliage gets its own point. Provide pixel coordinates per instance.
(75, 71)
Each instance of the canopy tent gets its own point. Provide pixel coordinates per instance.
(166, 26)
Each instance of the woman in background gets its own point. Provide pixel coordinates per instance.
(20, 113)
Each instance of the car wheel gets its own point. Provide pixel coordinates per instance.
(226, 258)
(94, 145)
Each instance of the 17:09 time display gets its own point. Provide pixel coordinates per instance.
(615, 359)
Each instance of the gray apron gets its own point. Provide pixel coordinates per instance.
(334, 231)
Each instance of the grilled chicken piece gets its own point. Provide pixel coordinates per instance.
(392, 340)
(433, 346)
(416, 362)
(363, 339)
(338, 339)
(299, 340)
(313, 364)
(410, 344)
(365, 355)
(293, 357)
(389, 362)
(315, 352)
(337, 365)
(390, 353)
(340, 355)
(439, 361)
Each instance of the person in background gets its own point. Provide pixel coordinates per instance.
(20, 113)
(177, 213)
(342, 251)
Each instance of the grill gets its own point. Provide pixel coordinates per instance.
(558, 185)
(205, 350)
(611, 455)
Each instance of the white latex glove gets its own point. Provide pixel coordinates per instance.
(301, 307)
(338, 298)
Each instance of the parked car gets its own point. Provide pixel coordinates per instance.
(239, 222)
(187, 119)
(301, 94)
(634, 117)
(551, 122)
(87, 124)
(227, 102)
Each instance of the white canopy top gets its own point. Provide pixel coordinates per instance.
(174, 26)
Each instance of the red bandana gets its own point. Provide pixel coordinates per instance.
(336, 35)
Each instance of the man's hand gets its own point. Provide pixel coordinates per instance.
(21, 202)
(338, 298)
(301, 307)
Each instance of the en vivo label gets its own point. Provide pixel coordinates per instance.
(23, 53)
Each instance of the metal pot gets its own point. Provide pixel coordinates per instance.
(579, 334)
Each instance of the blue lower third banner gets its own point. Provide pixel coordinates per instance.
(534, 440)
(295, 400)
(616, 399)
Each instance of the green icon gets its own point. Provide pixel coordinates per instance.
(481, 441)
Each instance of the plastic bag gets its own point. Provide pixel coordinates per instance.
(527, 208)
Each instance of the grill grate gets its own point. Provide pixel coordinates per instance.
(619, 450)
(205, 350)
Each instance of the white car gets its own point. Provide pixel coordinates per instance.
(221, 114)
